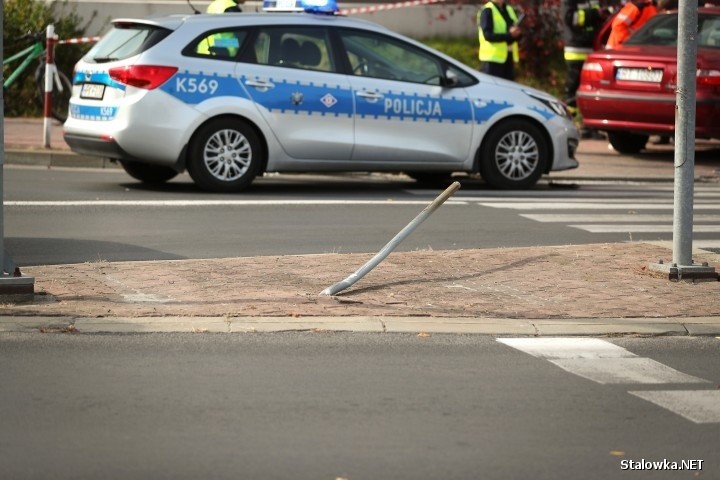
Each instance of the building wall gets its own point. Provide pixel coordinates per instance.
(424, 21)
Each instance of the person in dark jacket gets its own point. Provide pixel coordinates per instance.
(582, 20)
(498, 32)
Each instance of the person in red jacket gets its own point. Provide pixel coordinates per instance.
(630, 17)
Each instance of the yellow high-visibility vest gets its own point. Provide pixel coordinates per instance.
(497, 51)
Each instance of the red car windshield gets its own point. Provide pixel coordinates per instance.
(663, 30)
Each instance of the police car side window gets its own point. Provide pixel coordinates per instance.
(217, 45)
(378, 56)
(294, 47)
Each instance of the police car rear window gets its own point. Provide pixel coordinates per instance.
(126, 40)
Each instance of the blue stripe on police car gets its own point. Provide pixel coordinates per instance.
(416, 108)
(483, 110)
(103, 78)
(91, 112)
(544, 112)
(194, 88)
(299, 97)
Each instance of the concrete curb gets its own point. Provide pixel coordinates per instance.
(55, 158)
(690, 326)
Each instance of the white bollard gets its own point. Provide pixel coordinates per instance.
(392, 244)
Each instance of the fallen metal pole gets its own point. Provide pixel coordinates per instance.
(392, 244)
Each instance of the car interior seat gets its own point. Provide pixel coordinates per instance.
(289, 52)
(310, 55)
(222, 52)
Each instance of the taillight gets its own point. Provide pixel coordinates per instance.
(142, 76)
(708, 78)
(591, 72)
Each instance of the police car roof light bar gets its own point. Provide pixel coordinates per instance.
(326, 7)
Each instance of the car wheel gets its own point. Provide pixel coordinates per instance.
(628, 143)
(224, 156)
(431, 178)
(513, 155)
(148, 173)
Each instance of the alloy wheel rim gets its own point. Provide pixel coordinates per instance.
(517, 155)
(227, 155)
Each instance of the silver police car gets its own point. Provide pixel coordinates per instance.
(229, 97)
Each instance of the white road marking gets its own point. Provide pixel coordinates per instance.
(619, 228)
(624, 370)
(606, 363)
(552, 348)
(566, 205)
(599, 360)
(610, 217)
(698, 406)
(213, 203)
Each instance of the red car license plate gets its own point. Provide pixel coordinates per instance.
(639, 75)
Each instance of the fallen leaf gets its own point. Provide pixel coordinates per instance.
(423, 334)
(617, 453)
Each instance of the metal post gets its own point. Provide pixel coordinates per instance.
(13, 286)
(392, 244)
(685, 134)
(2, 153)
(682, 266)
(49, 65)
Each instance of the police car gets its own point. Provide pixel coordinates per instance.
(229, 97)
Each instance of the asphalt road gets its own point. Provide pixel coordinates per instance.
(56, 216)
(345, 406)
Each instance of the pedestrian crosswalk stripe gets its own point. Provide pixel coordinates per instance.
(599, 360)
(611, 217)
(606, 363)
(565, 205)
(561, 347)
(698, 406)
(624, 370)
(619, 228)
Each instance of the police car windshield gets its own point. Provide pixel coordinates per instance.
(126, 40)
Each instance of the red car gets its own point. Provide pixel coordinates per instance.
(629, 92)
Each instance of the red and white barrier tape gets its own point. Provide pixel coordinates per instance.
(79, 40)
(387, 6)
(345, 11)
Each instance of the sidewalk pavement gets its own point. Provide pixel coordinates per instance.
(602, 289)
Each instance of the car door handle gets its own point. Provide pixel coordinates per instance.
(370, 96)
(260, 84)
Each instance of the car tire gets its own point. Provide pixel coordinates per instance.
(224, 156)
(148, 173)
(513, 155)
(627, 143)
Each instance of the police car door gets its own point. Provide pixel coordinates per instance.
(292, 81)
(402, 113)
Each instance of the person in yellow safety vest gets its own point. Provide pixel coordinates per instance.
(631, 16)
(498, 32)
(581, 21)
(219, 39)
(224, 6)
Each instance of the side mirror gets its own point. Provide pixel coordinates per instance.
(451, 79)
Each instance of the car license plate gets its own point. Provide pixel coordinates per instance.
(92, 90)
(639, 75)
